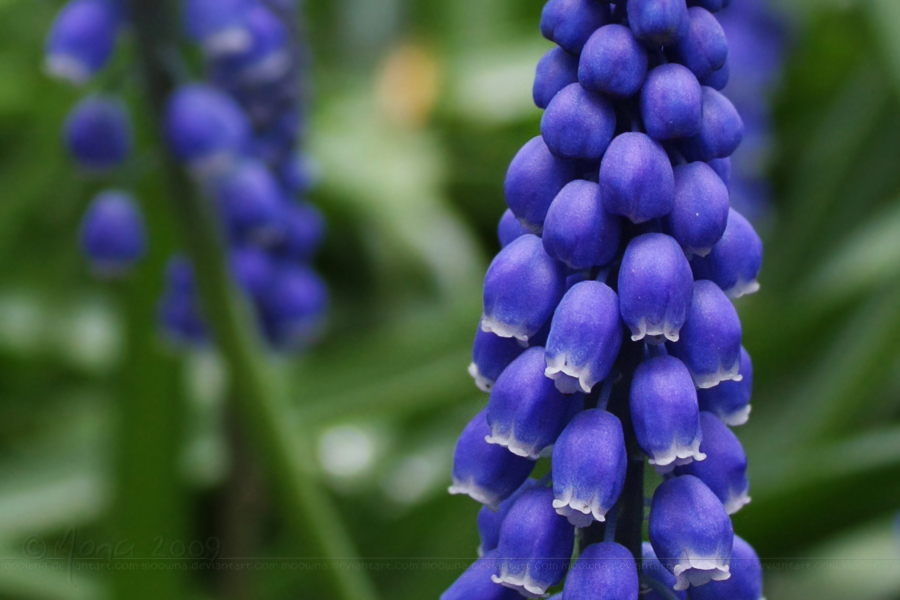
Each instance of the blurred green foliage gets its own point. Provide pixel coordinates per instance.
(419, 107)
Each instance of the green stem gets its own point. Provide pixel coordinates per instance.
(288, 460)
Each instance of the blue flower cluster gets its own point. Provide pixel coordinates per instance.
(237, 133)
(621, 256)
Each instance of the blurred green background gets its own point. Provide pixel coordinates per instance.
(419, 108)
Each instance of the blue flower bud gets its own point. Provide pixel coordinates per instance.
(535, 545)
(722, 167)
(671, 103)
(219, 25)
(556, 69)
(251, 202)
(303, 229)
(112, 235)
(293, 308)
(651, 568)
(655, 287)
(526, 413)
(730, 400)
(204, 127)
(721, 130)
(585, 337)
(491, 354)
(570, 23)
(180, 319)
(745, 582)
(665, 414)
(605, 571)
(578, 124)
(521, 289)
(719, 79)
(533, 180)
(268, 56)
(735, 261)
(578, 231)
(710, 341)
(636, 178)
(704, 49)
(658, 22)
(589, 463)
(490, 521)
(725, 469)
(613, 62)
(82, 39)
(690, 532)
(98, 133)
(298, 174)
(701, 208)
(476, 583)
(485, 472)
(253, 270)
(509, 229)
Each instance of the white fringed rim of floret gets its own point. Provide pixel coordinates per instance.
(232, 40)
(704, 381)
(509, 441)
(484, 384)
(736, 418)
(504, 330)
(578, 511)
(736, 501)
(68, 68)
(569, 378)
(475, 492)
(676, 455)
(642, 330)
(742, 288)
(523, 583)
(698, 570)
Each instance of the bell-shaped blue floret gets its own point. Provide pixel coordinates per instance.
(535, 545)
(533, 180)
(522, 287)
(730, 400)
(509, 229)
(302, 229)
(578, 124)
(658, 22)
(704, 49)
(570, 23)
(205, 128)
(491, 354)
(268, 57)
(719, 79)
(485, 472)
(725, 469)
(219, 25)
(82, 39)
(655, 287)
(578, 231)
(721, 130)
(491, 520)
(585, 337)
(98, 133)
(556, 69)
(476, 583)
(652, 569)
(636, 178)
(250, 202)
(735, 261)
(664, 413)
(613, 62)
(701, 208)
(526, 413)
(690, 532)
(605, 571)
(293, 308)
(253, 269)
(710, 341)
(671, 103)
(589, 463)
(112, 235)
(745, 582)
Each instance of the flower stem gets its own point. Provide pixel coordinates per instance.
(259, 401)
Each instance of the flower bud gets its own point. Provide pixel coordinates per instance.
(521, 289)
(485, 472)
(82, 39)
(98, 133)
(578, 231)
(112, 235)
(252, 269)
(664, 413)
(721, 130)
(704, 48)
(302, 229)
(655, 287)
(526, 413)
(555, 70)
(710, 341)
(658, 22)
(491, 354)
(690, 532)
(701, 208)
(570, 23)
(745, 582)
(250, 203)
(219, 25)
(293, 308)
(535, 545)
(604, 571)
(725, 469)
(585, 337)
(636, 178)
(490, 520)
(651, 568)
(735, 261)
(730, 400)
(671, 103)
(578, 124)
(509, 229)
(476, 583)
(589, 463)
(613, 62)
